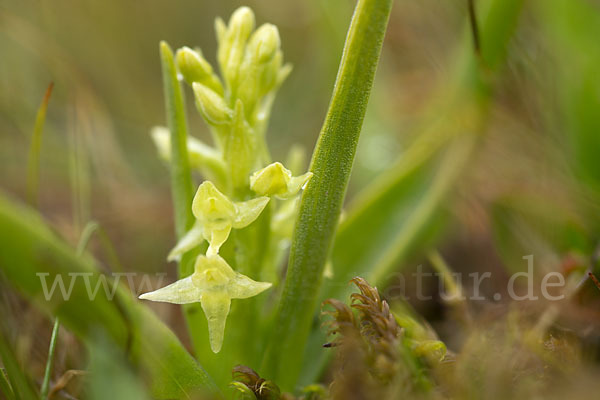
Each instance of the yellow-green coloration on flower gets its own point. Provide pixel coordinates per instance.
(252, 64)
(194, 68)
(236, 106)
(213, 284)
(276, 180)
(211, 105)
(264, 43)
(216, 215)
(232, 41)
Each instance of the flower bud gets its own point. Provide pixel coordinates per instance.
(211, 105)
(192, 65)
(271, 180)
(194, 68)
(232, 48)
(241, 22)
(270, 74)
(220, 30)
(264, 43)
(276, 180)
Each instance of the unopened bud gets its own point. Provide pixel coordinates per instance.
(192, 65)
(232, 47)
(276, 180)
(211, 105)
(241, 22)
(264, 43)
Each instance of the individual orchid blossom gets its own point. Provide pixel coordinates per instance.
(215, 216)
(276, 180)
(214, 283)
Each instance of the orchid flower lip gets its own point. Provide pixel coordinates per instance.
(213, 284)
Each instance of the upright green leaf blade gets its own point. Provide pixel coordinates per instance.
(5, 387)
(403, 210)
(322, 200)
(181, 178)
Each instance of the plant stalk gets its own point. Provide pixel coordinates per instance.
(323, 197)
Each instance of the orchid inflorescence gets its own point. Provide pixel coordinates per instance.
(240, 184)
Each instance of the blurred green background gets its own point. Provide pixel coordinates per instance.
(103, 60)
(533, 186)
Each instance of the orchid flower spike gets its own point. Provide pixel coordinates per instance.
(215, 216)
(214, 283)
(276, 180)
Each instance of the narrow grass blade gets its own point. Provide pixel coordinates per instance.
(322, 200)
(79, 167)
(33, 165)
(49, 361)
(5, 387)
(86, 235)
(21, 386)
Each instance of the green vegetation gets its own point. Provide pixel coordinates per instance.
(451, 253)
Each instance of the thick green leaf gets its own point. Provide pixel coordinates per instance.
(112, 376)
(30, 248)
(322, 199)
(403, 210)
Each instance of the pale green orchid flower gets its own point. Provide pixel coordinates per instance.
(276, 180)
(214, 283)
(215, 216)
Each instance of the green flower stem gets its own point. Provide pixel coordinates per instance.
(182, 187)
(322, 200)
